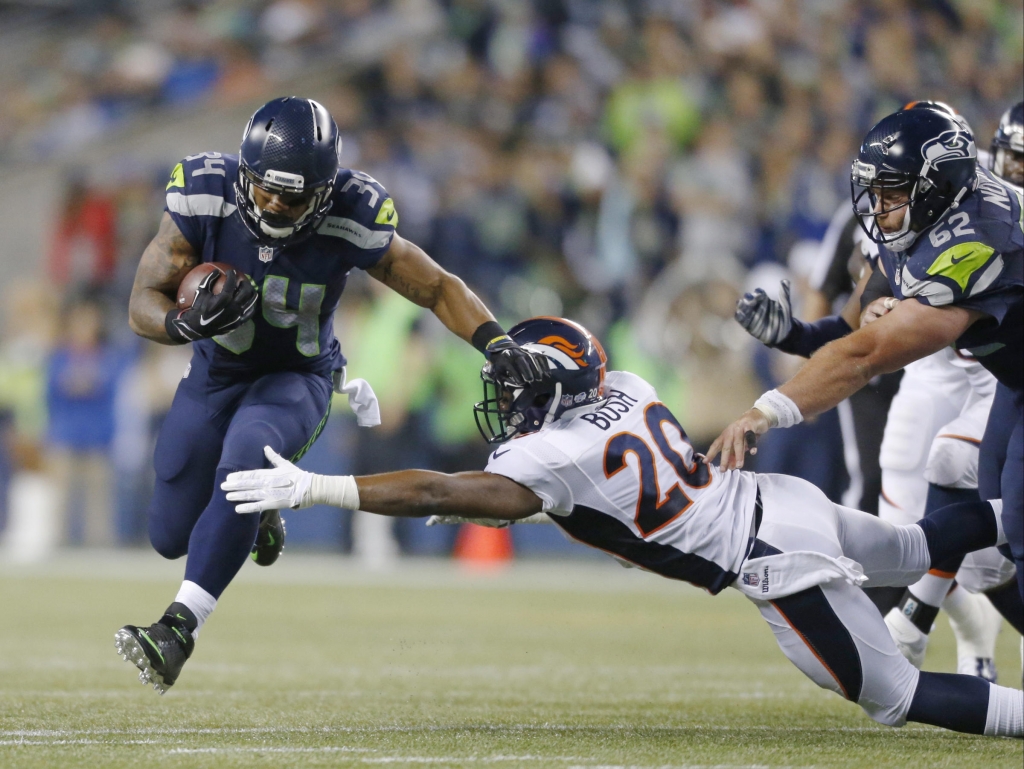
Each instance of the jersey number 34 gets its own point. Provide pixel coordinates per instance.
(653, 513)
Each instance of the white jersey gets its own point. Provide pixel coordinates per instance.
(622, 477)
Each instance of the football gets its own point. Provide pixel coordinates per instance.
(190, 284)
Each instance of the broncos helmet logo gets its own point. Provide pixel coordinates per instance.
(949, 145)
(571, 356)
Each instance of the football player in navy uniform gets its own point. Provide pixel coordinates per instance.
(929, 455)
(951, 238)
(1006, 153)
(265, 356)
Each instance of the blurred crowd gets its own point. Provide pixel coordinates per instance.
(633, 165)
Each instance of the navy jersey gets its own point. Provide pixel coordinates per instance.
(974, 258)
(300, 284)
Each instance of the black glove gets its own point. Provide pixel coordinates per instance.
(510, 362)
(213, 314)
(767, 320)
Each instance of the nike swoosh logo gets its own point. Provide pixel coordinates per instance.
(954, 260)
(495, 455)
(207, 321)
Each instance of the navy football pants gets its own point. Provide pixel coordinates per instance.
(217, 425)
(1001, 469)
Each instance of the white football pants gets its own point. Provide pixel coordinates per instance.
(833, 632)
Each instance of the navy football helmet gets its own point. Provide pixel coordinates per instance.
(1007, 150)
(928, 153)
(577, 362)
(291, 147)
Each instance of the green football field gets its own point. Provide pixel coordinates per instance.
(315, 662)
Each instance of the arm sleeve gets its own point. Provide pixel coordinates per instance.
(542, 479)
(876, 287)
(805, 338)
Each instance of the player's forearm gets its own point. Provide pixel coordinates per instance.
(459, 309)
(147, 313)
(417, 493)
(833, 374)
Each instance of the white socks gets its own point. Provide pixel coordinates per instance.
(198, 601)
(933, 587)
(1005, 716)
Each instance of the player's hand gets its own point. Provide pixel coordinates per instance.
(214, 314)
(767, 320)
(282, 486)
(511, 363)
(881, 306)
(738, 438)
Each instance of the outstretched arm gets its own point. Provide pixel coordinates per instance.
(413, 493)
(911, 331)
(407, 269)
(165, 262)
(403, 494)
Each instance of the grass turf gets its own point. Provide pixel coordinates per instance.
(316, 663)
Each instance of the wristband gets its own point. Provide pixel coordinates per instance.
(334, 490)
(172, 329)
(487, 334)
(780, 409)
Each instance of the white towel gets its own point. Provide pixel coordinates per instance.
(361, 399)
(776, 576)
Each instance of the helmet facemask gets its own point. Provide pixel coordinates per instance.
(1008, 164)
(873, 186)
(508, 409)
(277, 229)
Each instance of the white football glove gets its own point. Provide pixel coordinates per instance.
(767, 320)
(282, 486)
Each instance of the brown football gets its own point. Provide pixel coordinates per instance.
(190, 283)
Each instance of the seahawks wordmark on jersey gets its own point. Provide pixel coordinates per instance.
(622, 477)
(973, 257)
(300, 284)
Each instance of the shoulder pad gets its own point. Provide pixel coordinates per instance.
(203, 185)
(360, 197)
(363, 213)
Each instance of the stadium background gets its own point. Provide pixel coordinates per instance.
(633, 165)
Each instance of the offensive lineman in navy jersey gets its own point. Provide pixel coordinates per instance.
(264, 353)
(951, 237)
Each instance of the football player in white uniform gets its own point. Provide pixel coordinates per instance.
(611, 466)
(929, 458)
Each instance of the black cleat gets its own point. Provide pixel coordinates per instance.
(158, 651)
(269, 538)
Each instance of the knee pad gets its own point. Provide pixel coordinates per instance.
(952, 462)
(900, 695)
(169, 544)
(984, 570)
(243, 447)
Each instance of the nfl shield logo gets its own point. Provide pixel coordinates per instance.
(266, 253)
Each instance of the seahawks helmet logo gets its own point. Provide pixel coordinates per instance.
(949, 145)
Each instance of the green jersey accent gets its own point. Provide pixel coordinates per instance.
(387, 214)
(177, 177)
(961, 261)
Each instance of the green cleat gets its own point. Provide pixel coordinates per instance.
(158, 651)
(269, 538)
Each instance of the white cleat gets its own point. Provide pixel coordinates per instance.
(975, 624)
(911, 642)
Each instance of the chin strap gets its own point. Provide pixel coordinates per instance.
(550, 416)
